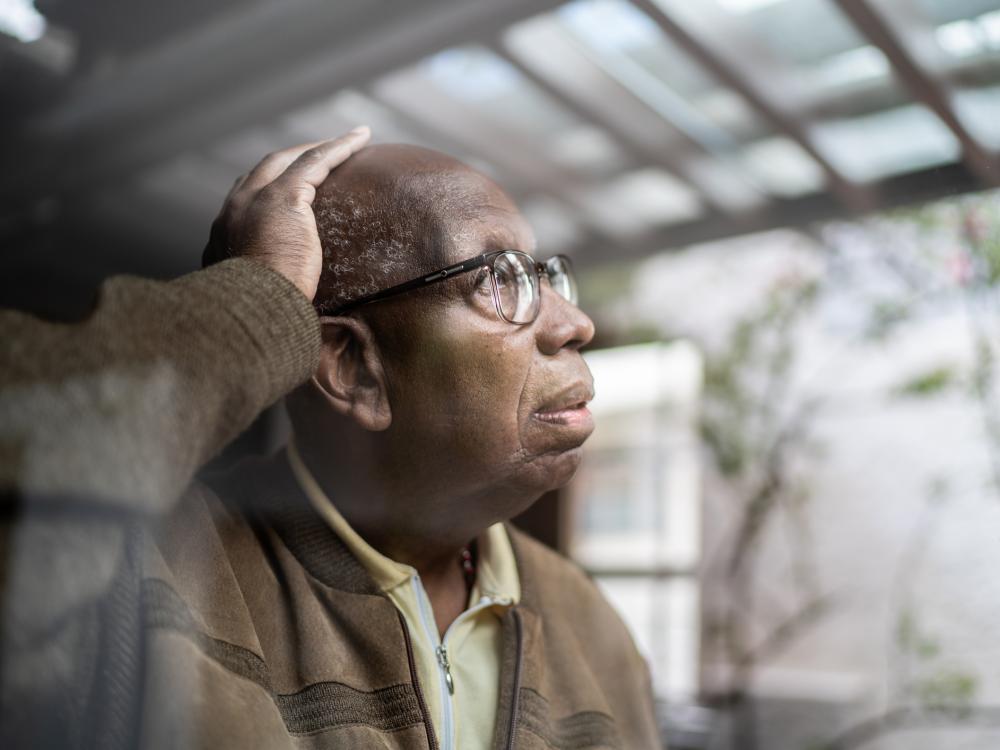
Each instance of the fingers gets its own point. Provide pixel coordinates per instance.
(314, 165)
(315, 155)
(237, 184)
(270, 167)
(279, 192)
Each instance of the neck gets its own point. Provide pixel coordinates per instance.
(400, 526)
(437, 559)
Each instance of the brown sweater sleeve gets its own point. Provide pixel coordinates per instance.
(102, 425)
(124, 407)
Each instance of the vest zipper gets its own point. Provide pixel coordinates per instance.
(421, 703)
(447, 684)
(442, 657)
(441, 654)
(519, 652)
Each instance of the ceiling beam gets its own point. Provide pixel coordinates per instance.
(893, 192)
(638, 152)
(240, 69)
(853, 196)
(922, 86)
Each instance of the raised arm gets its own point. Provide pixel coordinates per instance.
(123, 408)
(103, 424)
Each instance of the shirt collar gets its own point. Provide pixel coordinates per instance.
(496, 570)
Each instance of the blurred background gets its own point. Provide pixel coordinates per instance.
(783, 215)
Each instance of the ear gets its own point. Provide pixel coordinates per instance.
(350, 376)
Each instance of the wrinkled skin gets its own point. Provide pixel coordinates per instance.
(430, 417)
(468, 383)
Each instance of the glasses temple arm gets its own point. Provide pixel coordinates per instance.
(417, 283)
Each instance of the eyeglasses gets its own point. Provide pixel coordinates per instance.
(515, 277)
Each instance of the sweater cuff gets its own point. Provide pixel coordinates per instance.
(280, 320)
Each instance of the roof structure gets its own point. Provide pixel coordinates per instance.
(622, 127)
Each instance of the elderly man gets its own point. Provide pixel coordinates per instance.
(361, 588)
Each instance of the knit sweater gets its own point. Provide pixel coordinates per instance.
(102, 426)
(141, 610)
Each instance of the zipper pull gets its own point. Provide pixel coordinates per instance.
(442, 656)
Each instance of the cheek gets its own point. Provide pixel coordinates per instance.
(490, 378)
(468, 390)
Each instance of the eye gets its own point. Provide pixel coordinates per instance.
(481, 282)
(502, 272)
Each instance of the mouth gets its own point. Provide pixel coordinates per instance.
(568, 408)
(577, 414)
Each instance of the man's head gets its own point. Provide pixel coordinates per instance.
(436, 396)
(385, 215)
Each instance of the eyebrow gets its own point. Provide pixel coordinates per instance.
(500, 238)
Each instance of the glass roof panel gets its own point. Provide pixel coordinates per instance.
(971, 48)
(962, 39)
(803, 32)
(480, 79)
(729, 188)
(588, 149)
(958, 42)
(854, 66)
(21, 20)
(783, 167)
(615, 26)
(641, 200)
(477, 77)
(636, 51)
(954, 41)
(810, 59)
(941, 12)
(895, 141)
(389, 126)
(544, 45)
(554, 226)
(803, 54)
(979, 110)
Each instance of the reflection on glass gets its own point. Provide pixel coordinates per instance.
(636, 502)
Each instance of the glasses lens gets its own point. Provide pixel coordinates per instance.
(561, 278)
(517, 287)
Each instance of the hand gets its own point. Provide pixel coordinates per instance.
(268, 213)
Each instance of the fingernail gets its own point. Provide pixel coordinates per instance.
(361, 129)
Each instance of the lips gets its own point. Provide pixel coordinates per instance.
(577, 395)
(569, 407)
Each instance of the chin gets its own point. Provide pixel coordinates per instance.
(540, 475)
(564, 468)
(554, 470)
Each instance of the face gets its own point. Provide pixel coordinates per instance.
(495, 409)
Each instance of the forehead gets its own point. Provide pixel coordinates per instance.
(482, 218)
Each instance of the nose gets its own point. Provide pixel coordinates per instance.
(561, 324)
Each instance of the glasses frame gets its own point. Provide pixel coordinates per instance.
(457, 269)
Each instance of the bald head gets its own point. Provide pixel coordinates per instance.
(391, 212)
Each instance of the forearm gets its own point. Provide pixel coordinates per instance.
(123, 408)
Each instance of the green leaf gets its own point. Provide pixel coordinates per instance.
(948, 688)
(927, 383)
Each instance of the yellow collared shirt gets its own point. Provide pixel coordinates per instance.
(470, 650)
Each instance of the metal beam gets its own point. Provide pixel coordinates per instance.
(894, 192)
(921, 85)
(637, 151)
(241, 69)
(851, 195)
